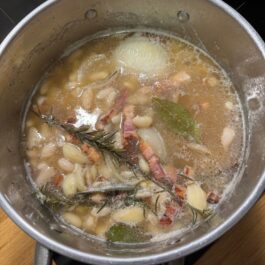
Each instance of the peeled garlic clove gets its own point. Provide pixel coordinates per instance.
(74, 154)
(132, 215)
(196, 197)
(227, 137)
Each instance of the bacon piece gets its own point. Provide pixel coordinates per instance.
(213, 198)
(170, 213)
(58, 179)
(118, 105)
(72, 139)
(92, 153)
(130, 137)
(153, 161)
(169, 175)
(180, 191)
(71, 120)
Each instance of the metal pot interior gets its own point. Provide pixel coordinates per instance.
(43, 36)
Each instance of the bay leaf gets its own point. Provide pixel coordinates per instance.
(124, 233)
(177, 118)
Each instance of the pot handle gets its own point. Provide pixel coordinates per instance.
(43, 256)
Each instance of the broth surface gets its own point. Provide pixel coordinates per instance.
(162, 141)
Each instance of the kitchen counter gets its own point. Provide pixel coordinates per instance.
(244, 244)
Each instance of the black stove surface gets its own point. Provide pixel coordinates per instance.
(12, 11)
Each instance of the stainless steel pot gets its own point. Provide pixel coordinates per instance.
(41, 37)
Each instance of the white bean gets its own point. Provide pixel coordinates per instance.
(41, 100)
(180, 77)
(42, 166)
(98, 75)
(143, 165)
(72, 219)
(48, 150)
(46, 131)
(94, 171)
(97, 197)
(79, 175)
(199, 148)
(142, 121)
(103, 212)
(88, 177)
(116, 119)
(227, 137)
(65, 164)
(69, 185)
(104, 171)
(45, 175)
(89, 223)
(74, 154)
(34, 138)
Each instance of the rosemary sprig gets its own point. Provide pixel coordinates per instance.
(53, 197)
(103, 142)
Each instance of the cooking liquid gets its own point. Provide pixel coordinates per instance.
(191, 78)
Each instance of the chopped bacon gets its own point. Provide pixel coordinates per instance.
(71, 120)
(92, 153)
(130, 137)
(180, 191)
(164, 175)
(170, 213)
(118, 105)
(72, 139)
(213, 198)
(153, 161)
(58, 179)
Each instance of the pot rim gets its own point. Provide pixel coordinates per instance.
(153, 258)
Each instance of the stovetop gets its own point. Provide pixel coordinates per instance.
(12, 11)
